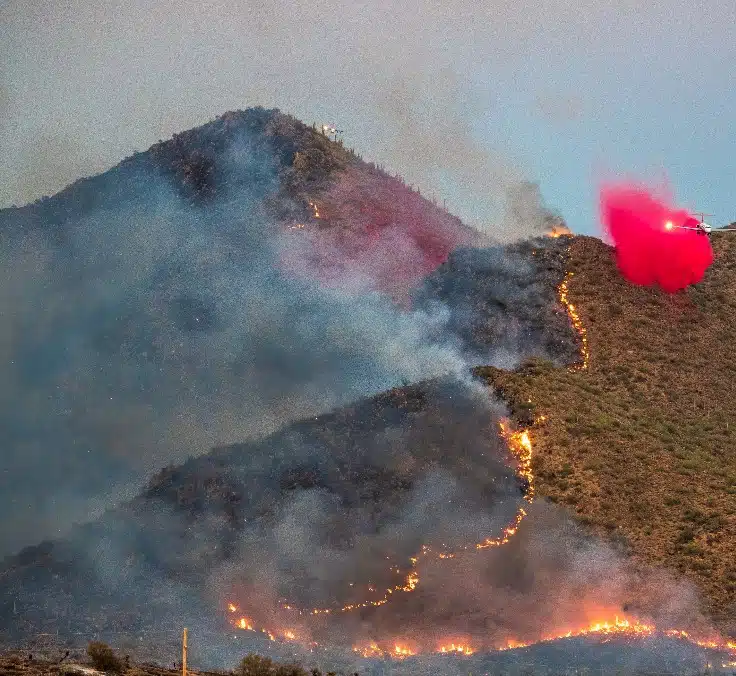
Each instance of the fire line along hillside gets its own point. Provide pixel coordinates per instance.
(640, 444)
(329, 510)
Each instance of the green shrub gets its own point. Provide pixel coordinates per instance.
(289, 670)
(103, 657)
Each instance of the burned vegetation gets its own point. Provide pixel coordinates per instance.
(504, 302)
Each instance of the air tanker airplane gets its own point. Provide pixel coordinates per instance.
(698, 225)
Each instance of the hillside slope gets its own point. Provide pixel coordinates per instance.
(178, 301)
(299, 514)
(640, 444)
(349, 213)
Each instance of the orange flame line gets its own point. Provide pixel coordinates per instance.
(520, 446)
(577, 323)
(618, 626)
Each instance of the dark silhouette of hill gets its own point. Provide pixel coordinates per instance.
(356, 472)
(363, 211)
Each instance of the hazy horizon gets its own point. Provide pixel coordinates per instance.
(459, 101)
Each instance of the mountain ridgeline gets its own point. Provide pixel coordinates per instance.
(349, 350)
(171, 304)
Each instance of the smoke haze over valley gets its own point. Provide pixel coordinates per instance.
(149, 315)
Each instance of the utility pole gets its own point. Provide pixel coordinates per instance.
(184, 653)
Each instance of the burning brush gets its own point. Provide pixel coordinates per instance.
(602, 624)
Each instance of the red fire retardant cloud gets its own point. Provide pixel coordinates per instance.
(650, 248)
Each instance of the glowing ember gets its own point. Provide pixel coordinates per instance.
(232, 608)
(314, 207)
(456, 648)
(520, 445)
(373, 650)
(401, 651)
(576, 322)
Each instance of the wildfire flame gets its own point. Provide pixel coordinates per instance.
(576, 322)
(371, 650)
(559, 230)
(455, 648)
(400, 651)
(520, 445)
(618, 626)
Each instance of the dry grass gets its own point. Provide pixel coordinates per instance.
(641, 444)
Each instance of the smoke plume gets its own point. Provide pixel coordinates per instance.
(139, 329)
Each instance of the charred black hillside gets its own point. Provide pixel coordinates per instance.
(504, 303)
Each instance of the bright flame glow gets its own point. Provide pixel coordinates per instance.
(615, 625)
(456, 648)
(576, 322)
(401, 651)
(558, 230)
(520, 445)
(669, 225)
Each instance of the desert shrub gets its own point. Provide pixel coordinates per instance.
(103, 657)
(289, 670)
(255, 665)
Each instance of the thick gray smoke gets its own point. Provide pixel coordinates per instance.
(145, 329)
(318, 515)
(140, 328)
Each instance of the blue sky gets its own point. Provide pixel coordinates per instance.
(460, 98)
